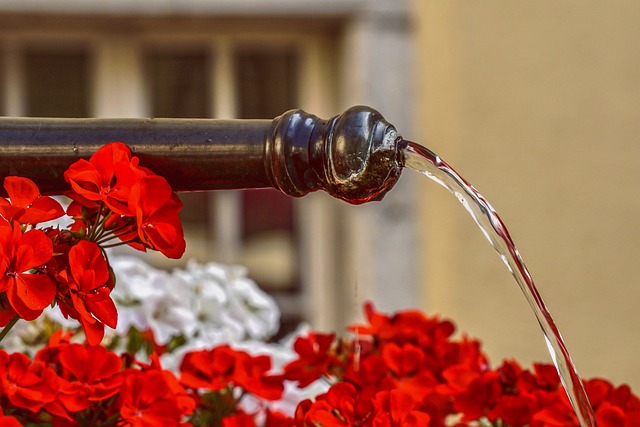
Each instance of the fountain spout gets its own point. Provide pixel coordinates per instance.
(355, 156)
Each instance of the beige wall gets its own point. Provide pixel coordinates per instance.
(538, 105)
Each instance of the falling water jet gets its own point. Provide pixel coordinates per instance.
(424, 161)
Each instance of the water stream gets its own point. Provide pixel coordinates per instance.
(429, 164)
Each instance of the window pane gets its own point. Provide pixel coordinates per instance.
(57, 83)
(267, 82)
(178, 84)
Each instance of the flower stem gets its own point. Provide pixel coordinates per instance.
(113, 245)
(94, 231)
(8, 327)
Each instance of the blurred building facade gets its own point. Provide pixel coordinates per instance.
(239, 59)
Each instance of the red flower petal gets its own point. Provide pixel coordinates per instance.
(93, 329)
(42, 209)
(21, 191)
(35, 290)
(33, 249)
(153, 192)
(86, 256)
(102, 307)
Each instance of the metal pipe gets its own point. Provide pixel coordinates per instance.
(354, 156)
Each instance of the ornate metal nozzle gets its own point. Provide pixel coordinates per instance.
(354, 156)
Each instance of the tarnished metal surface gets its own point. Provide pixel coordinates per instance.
(192, 154)
(353, 156)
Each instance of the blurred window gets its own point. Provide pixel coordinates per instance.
(56, 83)
(267, 82)
(178, 84)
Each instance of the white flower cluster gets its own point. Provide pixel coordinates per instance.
(206, 304)
(215, 302)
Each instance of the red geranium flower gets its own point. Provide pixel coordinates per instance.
(57, 341)
(475, 392)
(26, 205)
(21, 384)
(370, 371)
(342, 406)
(184, 400)
(147, 401)
(91, 374)
(430, 334)
(27, 291)
(613, 407)
(223, 367)
(251, 374)
(208, 369)
(403, 361)
(157, 212)
(405, 326)
(239, 419)
(557, 413)
(141, 209)
(515, 410)
(314, 358)
(398, 409)
(106, 177)
(89, 291)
